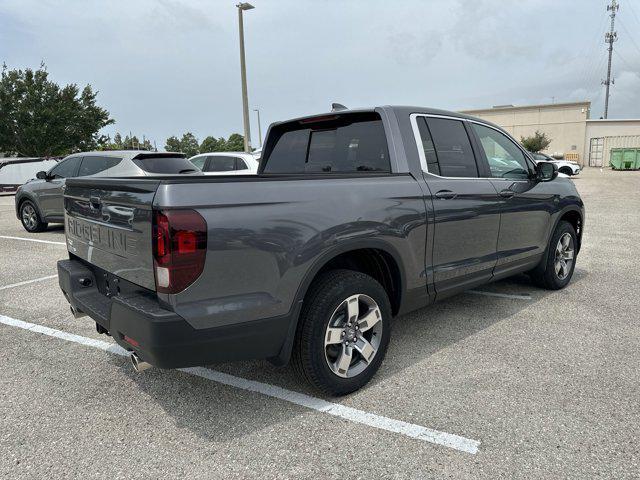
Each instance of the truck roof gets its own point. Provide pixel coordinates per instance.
(400, 110)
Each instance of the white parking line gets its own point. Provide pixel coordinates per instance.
(26, 282)
(417, 432)
(32, 240)
(501, 295)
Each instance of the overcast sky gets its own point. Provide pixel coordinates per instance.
(164, 67)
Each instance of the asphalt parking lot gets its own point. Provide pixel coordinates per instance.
(519, 382)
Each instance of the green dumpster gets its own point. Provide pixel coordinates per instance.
(625, 158)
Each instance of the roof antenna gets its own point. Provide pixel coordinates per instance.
(336, 107)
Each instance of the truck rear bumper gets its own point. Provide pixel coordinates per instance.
(138, 323)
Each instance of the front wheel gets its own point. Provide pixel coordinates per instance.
(561, 259)
(343, 332)
(30, 218)
(566, 171)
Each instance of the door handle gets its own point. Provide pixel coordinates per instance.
(506, 193)
(446, 194)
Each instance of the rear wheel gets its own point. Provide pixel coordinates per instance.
(343, 332)
(30, 218)
(560, 259)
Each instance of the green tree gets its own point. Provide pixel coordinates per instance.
(235, 143)
(212, 144)
(129, 143)
(189, 144)
(173, 144)
(40, 118)
(539, 141)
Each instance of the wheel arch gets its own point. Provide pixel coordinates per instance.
(28, 197)
(350, 255)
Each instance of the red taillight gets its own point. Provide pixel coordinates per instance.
(180, 246)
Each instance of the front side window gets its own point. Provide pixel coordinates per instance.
(347, 143)
(93, 164)
(449, 148)
(221, 164)
(505, 159)
(66, 169)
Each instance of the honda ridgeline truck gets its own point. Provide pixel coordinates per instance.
(355, 217)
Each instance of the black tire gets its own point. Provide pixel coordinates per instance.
(30, 218)
(566, 171)
(326, 295)
(549, 278)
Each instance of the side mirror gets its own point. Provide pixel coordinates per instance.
(42, 175)
(546, 171)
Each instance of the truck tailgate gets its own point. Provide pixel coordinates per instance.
(108, 223)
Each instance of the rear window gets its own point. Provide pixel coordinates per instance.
(165, 165)
(221, 164)
(345, 143)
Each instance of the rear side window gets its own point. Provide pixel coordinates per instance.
(241, 165)
(221, 164)
(338, 144)
(452, 148)
(199, 162)
(168, 165)
(66, 169)
(93, 164)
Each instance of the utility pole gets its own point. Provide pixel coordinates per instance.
(243, 73)
(257, 110)
(610, 37)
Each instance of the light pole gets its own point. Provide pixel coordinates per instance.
(243, 72)
(257, 110)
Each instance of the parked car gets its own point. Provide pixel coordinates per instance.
(355, 217)
(226, 163)
(15, 171)
(567, 167)
(39, 202)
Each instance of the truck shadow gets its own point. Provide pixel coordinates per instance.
(221, 413)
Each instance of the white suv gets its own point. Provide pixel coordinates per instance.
(564, 166)
(226, 163)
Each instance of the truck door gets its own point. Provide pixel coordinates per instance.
(50, 193)
(465, 205)
(524, 202)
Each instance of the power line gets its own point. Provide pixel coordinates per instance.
(624, 60)
(629, 35)
(633, 11)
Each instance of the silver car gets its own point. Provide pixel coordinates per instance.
(39, 201)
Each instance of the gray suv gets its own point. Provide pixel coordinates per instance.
(39, 201)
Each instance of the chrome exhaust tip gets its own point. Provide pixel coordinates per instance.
(139, 365)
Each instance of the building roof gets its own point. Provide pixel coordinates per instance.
(605, 120)
(501, 108)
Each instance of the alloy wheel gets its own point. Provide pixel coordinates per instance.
(29, 216)
(353, 336)
(564, 256)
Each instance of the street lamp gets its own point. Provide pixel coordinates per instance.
(257, 110)
(243, 72)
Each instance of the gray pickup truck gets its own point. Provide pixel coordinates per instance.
(355, 217)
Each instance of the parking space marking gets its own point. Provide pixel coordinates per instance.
(411, 430)
(26, 282)
(501, 295)
(32, 240)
